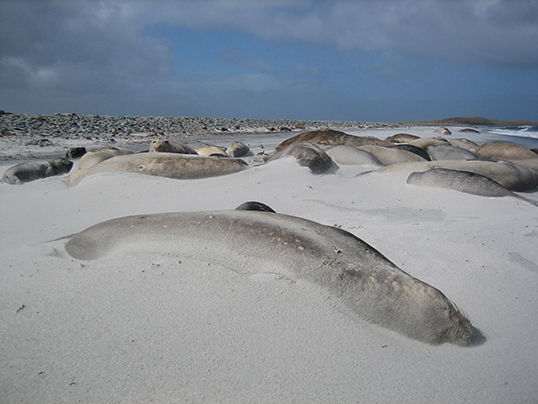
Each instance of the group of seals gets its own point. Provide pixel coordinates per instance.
(34, 170)
(257, 240)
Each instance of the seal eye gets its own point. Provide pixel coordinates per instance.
(140, 167)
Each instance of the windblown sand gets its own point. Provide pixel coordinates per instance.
(130, 330)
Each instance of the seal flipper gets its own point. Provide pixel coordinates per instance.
(257, 206)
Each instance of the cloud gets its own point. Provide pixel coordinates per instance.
(105, 54)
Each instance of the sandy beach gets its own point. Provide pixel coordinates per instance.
(140, 329)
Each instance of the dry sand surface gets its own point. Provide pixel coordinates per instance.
(158, 329)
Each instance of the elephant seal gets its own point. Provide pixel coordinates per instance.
(211, 150)
(511, 176)
(449, 152)
(352, 156)
(35, 170)
(464, 144)
(462, 181)
(170, 165)
(402, 138)
(425, 142)
(237, 149)
(469, 130)
(330, 137)
(389, 156)
(412, 149)
(249, 242)
(443, 131)
(170, 146)
(509, 151)
(307, 155)
(256, 206)
(75, 152)
(95, 157)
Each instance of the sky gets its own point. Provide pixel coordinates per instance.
(371, 61)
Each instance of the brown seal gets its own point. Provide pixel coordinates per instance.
(331, 137)
(509, 151)
(170, 165)
(170, 146)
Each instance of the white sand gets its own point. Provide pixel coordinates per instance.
(135, 331)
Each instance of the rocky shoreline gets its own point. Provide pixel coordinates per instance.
(28, 136)
(72, 125)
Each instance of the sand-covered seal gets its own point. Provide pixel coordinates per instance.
(511, 176)
(35, 170)
(443, 131)
(402, 138)
(464, 144)
(170, 146)
(307, 155)
(251, 242)
(412, 149)
(463, 181)
(92, 158)
(211, 150)
(390, 155)
(509, 151)
(331, 137)
(425, 142)
(237, 149)
(352, 156)
(449, 152)
(170, 165)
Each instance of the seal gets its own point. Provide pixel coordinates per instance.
(170, 165)
(425, 142)
(237, 149)
(402, 138)
(306, 155)
(95, 157)
(389, 155)
(352, 156)
(443, 131)
(508, 151)
(511, 176)
(449, 152)
(249, 242)
(469, 130)
(257, 206)
(75, 152)
(463, 181)
(35, 170)
(211, 150)
(413, 149)
(464, 144)
(169, 146)
(331, 137)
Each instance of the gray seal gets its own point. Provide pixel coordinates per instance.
(35, 170)
(511, 176)
(352, 156)
(170, 165)
(462, 181)
(306, 155)
(449, 152)
(251, 242)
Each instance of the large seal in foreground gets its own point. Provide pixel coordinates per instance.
(170, 165)
(258, 242)
(34, 170)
